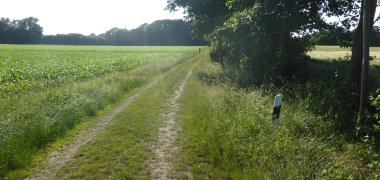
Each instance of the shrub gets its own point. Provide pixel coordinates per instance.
(368, 127)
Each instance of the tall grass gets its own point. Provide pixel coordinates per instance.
(229, 135)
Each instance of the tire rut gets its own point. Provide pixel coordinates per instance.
(166, 146)
(58, 158)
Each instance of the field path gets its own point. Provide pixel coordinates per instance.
(57, 159)
(166, 146)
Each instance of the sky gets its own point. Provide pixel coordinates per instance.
(87, 16)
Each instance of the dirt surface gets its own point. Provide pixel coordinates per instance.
(166, 148)
(57, 159)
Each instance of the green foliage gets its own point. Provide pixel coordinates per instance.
(375, 101)
(257, 40)
(267, 41)
(368, 126)
(344, 38)
(205, 14)
(338, 36)
(24, 31)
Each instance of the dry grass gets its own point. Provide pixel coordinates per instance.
(335, 52)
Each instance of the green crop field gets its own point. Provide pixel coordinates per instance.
(22, 67)
(47, 90)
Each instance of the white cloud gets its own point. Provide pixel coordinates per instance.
(87, 16)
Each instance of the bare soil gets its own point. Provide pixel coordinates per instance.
(166, 148)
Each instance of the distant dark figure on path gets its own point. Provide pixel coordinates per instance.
(199, 50)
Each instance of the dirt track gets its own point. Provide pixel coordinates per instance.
(57, 159)
(166, 148)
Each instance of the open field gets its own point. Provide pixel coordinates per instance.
(47, 90)
(29, 67)
(335, 52)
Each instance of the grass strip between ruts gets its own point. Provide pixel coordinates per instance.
(123, 150)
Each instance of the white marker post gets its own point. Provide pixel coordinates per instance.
(276, 110)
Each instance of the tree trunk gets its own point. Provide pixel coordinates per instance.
(354, 72)
(287, 55)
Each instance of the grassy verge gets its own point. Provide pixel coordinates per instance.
(122, 150)
(45, 116)
(227, 134)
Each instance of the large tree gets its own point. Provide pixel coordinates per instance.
(261, 39)
(205, 14)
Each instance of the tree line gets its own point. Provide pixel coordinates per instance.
(158, 33)
(343, 37)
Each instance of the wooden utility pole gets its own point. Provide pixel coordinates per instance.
(365, 62)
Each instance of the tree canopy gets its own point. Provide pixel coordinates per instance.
(257, 39)
(205, 14)
(268, 39)
(24, 31)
